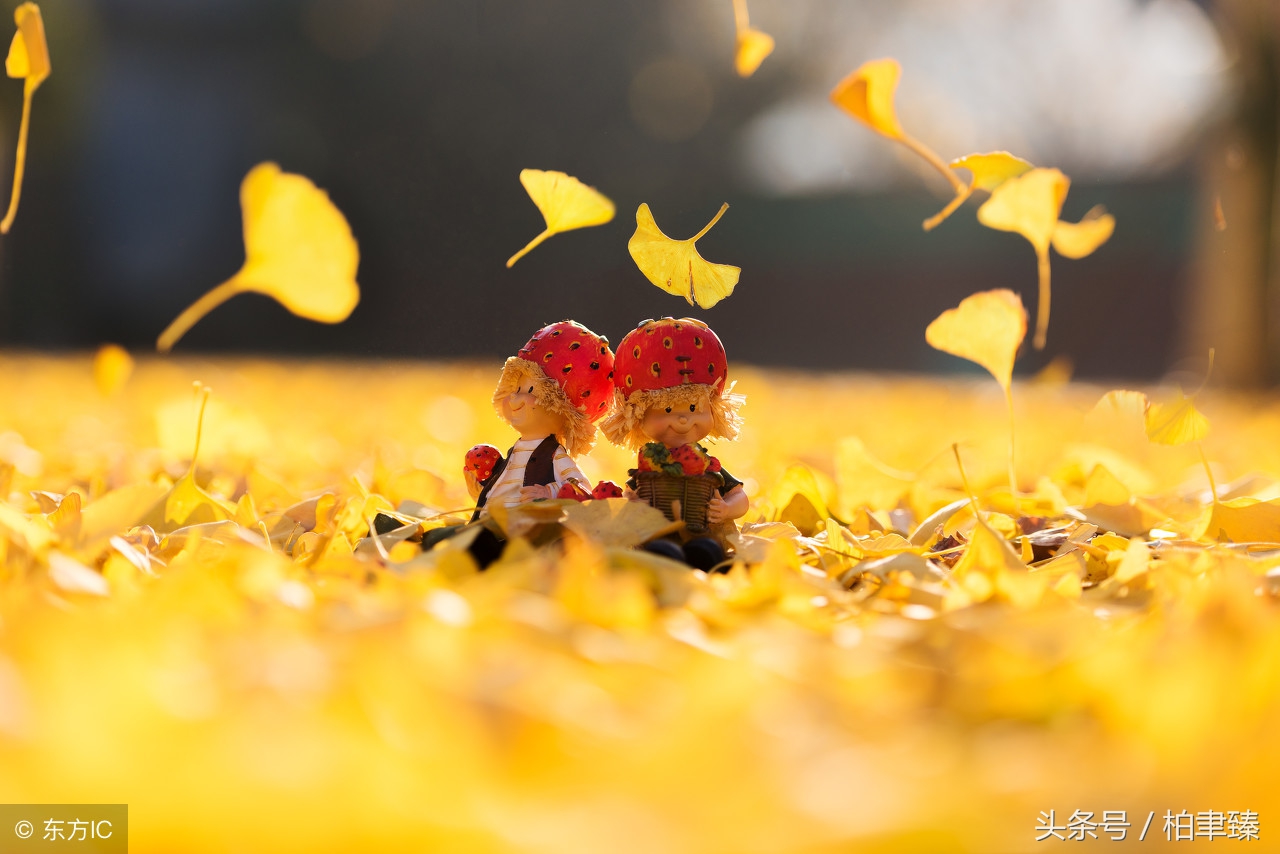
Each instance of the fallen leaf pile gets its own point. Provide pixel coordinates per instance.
(889, 666)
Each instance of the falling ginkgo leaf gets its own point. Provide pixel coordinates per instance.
(986, 328)
(29, 59)
(298, 249)
(1078, 239)
(1030, 204)
(565, 203)
(867, 94)
(753, 46)
(675, 265)
(988, 170)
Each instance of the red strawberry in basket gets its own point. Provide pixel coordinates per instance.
(606, 489)
(652, 457)
(692, 462)
(572, 489)
(480, 461)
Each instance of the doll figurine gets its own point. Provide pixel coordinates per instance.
(670, 393)
(552, 392)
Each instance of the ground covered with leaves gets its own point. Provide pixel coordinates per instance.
(210, 643)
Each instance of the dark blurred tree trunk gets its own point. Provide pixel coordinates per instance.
(1235, 299)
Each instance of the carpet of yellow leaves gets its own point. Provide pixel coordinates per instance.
(251, 684)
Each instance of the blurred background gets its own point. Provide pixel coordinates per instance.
(417, 117)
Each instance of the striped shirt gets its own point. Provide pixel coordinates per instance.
(510, 482)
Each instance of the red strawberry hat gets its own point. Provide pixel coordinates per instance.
(670, 362)
(571, 371)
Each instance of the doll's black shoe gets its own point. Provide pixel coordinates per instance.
(665, 548)
(704, 553)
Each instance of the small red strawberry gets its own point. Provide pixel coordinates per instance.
(480, 461)
(606, 489)
(571, 489)
(689, 459)
(713, 464)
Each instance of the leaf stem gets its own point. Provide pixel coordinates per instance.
(529, 247)
(935, 161)
(707, 227)
(932, 222)
(1208, 373)
(20, 160)
(1213, 487)
(740, 19)
(194, 313)
(1013, 474)
(1042, 310)
(964, 481)
(204, 392)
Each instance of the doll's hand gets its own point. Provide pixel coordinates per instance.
(533, 493)
(630, 494)
(717, 511)
(731, 506)
(473, 485)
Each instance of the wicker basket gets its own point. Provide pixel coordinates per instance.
(692, 493)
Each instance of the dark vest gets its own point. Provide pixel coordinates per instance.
(538, 471)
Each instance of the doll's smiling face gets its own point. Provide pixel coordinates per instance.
(530, 419)
(677, 425)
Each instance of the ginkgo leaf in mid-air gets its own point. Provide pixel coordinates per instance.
(298, 249)
(1176, 422)
(675, 265)
(565, 203)
(1030, 204)
(29, 59)
(988, 170)
(986, 328)
(1078, 239)
(753, 46)
(867, 94)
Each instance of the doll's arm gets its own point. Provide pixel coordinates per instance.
(733, 505)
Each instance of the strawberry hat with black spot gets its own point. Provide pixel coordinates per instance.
(571, 371)
(670, 362)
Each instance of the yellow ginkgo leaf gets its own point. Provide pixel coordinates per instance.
(990, 567)
(28, 59)
(1242, 520)
(112, 367)
(298, 249)
(1078, 239)
(753, 47)
(986, 328)
(988, 170)
(565, 203)
(186, 502)
(1176, 422)
(867, 95)
(675, 265)
(1029, 205)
